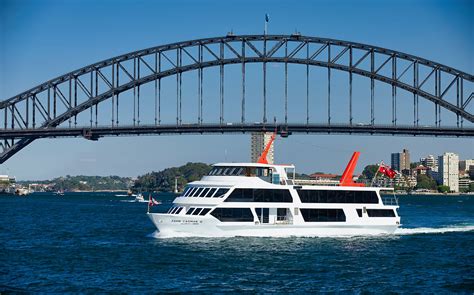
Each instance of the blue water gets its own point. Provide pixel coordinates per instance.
(98, 243)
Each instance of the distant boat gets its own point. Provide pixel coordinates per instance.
(139, 198)
(59, 193)
(22, 192)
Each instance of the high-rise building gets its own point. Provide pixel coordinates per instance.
(465, 164)
(429, 161)
(401, 161)
(448, 171)
(258, 142)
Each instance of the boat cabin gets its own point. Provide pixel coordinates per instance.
(276, 174)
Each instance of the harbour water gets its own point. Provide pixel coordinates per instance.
(97, 242)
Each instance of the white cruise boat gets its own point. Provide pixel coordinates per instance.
(258, 199)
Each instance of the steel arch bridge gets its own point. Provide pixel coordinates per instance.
(52, 109)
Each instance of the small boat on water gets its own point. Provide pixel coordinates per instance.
(59, 193)
(140, 198)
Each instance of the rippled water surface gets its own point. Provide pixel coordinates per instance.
(102, 243)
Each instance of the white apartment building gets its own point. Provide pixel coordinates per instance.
(429, 161)
(258, 142)
(448, 171)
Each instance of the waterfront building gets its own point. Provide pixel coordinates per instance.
(258, 142)
(327, 179)
(448, 171)
(429, 161)
(464, 165)
(420, 170)
(464, 183)
(401, 161)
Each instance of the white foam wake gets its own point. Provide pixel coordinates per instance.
(432, 230)
(399, 232)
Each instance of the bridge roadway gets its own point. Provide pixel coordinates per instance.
(94, 133)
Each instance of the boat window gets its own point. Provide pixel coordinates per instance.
(190, 210)
(221, 192)
(186, 190)
(179, 210)
(250, 171)
(172, 210)
(338, 196)
(282, 214)
(197, 211)
(323, 215)
(191, 192)
(169, 210)
(204, 211)
(359, 212)
(204, 192)
(380, 213)
(211, 192)
(198, 191)
(260, 195)
(233, 214)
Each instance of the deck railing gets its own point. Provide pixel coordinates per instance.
(389, 200)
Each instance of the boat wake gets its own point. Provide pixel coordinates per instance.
(398, 232)
(158, 235)
(433, 230)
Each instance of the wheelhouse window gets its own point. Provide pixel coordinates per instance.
(204, 192)
(210, 192)
(260, 195)
(198, 192)
(186, 190)
(233, 214)
(190, 210)
(380, 213)
(359, 212)
(221, 192)
(191, 192)
(338, 196)
(262, 172)
(226, 171)
(323, 215)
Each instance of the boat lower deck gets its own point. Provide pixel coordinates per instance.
(205, 226)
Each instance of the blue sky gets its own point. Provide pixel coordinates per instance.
(40, 40)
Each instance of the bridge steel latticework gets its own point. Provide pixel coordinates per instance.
(51, 109)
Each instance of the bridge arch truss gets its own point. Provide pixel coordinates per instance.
(44, 110)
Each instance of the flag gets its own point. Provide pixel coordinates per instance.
(387, 171)
(152, 202)
(267, 17)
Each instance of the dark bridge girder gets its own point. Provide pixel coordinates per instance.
(282, 129)
(19, 111)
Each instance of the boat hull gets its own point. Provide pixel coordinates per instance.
(203, 226)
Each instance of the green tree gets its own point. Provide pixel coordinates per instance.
(443, 188)
(369, 171)
(425, 182)
(415, 164)
(164, 180)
